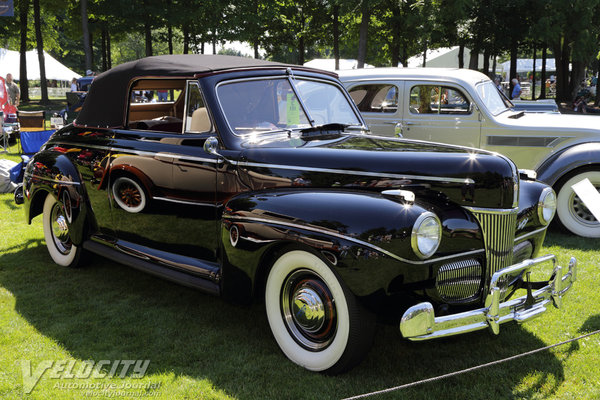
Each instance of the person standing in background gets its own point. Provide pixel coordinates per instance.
(14, 93)
(516, 93)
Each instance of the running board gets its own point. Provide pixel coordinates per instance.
(182, 278)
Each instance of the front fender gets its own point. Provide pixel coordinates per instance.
(364, 236)
(51, 172)
(569, 159)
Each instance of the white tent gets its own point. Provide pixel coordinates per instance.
(328, 64)
(10, 62)
(526, 65)
(443, 57)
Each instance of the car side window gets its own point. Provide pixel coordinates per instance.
(156, 105)
(379, 98)
(434, 99)
(197, 118)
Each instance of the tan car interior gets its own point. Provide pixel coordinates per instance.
(167, 116)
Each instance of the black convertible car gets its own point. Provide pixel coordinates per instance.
(259, 180)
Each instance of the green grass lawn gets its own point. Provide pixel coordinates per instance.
(202, 347)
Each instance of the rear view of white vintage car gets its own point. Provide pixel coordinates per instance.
(461, 106)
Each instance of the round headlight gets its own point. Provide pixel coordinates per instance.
(426, 235)
(547, 206)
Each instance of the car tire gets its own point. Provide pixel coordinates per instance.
(336, 332)
(129, 194)
(56, 234)
(572, 213)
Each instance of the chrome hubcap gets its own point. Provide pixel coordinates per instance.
(580, 212)
(308, 310)
(60, 229)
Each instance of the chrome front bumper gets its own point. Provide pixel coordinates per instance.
(420, 323)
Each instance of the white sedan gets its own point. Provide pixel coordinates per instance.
(463, 107)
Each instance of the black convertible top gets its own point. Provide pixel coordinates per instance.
(106, 101)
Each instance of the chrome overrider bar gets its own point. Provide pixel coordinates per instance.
(420, 323)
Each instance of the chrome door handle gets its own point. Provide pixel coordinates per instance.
(392, 122)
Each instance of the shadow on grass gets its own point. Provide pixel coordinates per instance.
(107, 311)
(568, 241)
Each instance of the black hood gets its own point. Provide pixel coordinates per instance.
(470, 177)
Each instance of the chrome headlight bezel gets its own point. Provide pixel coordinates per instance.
(546, 203)
(417, 235)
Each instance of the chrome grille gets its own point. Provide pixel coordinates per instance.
(498, 227)
(459, 281)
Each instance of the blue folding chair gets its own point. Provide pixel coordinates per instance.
(31, 142)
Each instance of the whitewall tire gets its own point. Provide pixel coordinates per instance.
(572, 212)
(56, 234)
(314, 318)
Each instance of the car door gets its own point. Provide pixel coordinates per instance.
(440, 112)
(380, 103)
(162, 183)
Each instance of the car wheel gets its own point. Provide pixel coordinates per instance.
(572, 212)
(314, 318)
(129, 194)
(56, 233)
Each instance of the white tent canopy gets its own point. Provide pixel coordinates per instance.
(443, 57)
(10, 62)
(526, 65)
(328, 64)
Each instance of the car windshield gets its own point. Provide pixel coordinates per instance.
(267, 105)
(491, 98)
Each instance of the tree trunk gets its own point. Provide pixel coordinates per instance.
(108, 52)
(104, 56)
(148, 38)
(597, 102)
(577, 75)
(336, 35)
(23, 82)
(562, 55)
(425, 55)
(486, 62)
(533, 78)
(362, 37)
(255, 45)
(474, 58)
(214, 44)
(404, 59)
(543, 76)
(40, 50)
(86, 35)
(461, 55)
(513, 66)
(170, 38)
(494, 65)
(186, 40)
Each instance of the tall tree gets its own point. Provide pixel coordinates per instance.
(86, 35)
(40, 50)
(363, 32)
(23, 82)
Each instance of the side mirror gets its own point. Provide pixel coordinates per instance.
(211, 146)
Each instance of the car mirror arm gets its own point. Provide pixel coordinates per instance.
(211, 146)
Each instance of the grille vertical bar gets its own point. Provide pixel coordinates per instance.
(498, 227)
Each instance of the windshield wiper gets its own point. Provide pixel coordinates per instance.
(323, 131)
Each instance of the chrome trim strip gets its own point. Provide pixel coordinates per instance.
(147, 153)
(55, 180)
(351, 239)
(526, 235)
(359, 173)
(193, 203)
